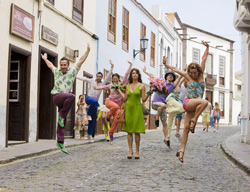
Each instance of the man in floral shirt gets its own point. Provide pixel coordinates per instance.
(64, 78)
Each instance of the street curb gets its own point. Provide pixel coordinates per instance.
(6, 161)
(241, 164)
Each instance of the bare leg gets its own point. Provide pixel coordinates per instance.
(218, 124)
(197, 105)
(130, 144)
(178, 125)
(159, 110)
(137, 143)
(165, 130)
(184, 136)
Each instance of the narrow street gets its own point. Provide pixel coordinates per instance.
(103, 167)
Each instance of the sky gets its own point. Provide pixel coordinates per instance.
(215, 16)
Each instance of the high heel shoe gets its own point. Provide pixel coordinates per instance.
(178, 155)
(130, 156)
(137, 156)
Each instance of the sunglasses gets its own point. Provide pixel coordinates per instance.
(193, 67)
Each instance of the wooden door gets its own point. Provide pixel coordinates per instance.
(47, 109)
(17, 93)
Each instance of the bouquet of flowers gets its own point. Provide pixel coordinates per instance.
(119, 86)
(157, 85)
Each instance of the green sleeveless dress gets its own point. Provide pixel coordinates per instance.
(134, 122)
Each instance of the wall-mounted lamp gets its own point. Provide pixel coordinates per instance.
(144, 45)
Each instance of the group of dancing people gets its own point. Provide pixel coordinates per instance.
(184, 94)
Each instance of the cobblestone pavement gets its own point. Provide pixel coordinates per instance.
(103, 167)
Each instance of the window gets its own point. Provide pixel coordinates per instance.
(152, 55)
(196, 55)
(238, 88)
(221, 103)
(14, 81)
(86, 85)
(125, 29)
(112, 21)
(51, 1)
(143, 34)
(222, 70)
(209, 64)
(78, 11)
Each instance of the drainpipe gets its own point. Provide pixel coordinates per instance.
(97, 51)
(40, 10)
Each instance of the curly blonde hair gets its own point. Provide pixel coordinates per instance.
(194, 66)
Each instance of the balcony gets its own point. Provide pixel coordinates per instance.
(242, 16)
(210, 80)
(244, 2)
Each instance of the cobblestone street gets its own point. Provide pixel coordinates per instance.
(103, 167)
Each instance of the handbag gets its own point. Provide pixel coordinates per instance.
(121, 114)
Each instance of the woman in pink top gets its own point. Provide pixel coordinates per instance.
(216, 115)
(114, 100)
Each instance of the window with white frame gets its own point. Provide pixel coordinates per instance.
(125, 29)
(143, 34)
(222, 70)
(209, 64)
(14, 81)
(222, 103)
(78, 11)
(152, 50)
(112, 21)
(196, 55)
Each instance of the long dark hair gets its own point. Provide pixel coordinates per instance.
(130, 79)
(117, 75)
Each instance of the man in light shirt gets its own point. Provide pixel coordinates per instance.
(93, 97)
(64, 78)
(206, 116)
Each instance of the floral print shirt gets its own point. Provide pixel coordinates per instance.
(63, 82)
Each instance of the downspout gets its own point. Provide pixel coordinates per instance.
(97, 51)
(40, 10)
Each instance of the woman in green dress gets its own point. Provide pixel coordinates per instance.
(134, 122)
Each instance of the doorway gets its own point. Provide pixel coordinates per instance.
(18, 95)
(46, 107)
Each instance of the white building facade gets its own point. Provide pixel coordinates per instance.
(219, 66)
(241, 23)
(59, 28)
(119, 26)
(169, 40)
(237, 98)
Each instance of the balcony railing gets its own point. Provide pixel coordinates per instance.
(242, 16)
(210, 79)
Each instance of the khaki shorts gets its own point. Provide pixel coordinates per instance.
(163, 114)
(206, 117)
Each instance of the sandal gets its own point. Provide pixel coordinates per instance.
(178, 155)
(192, 129)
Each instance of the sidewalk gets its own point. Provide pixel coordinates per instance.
(237, 152)
(20, 151)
